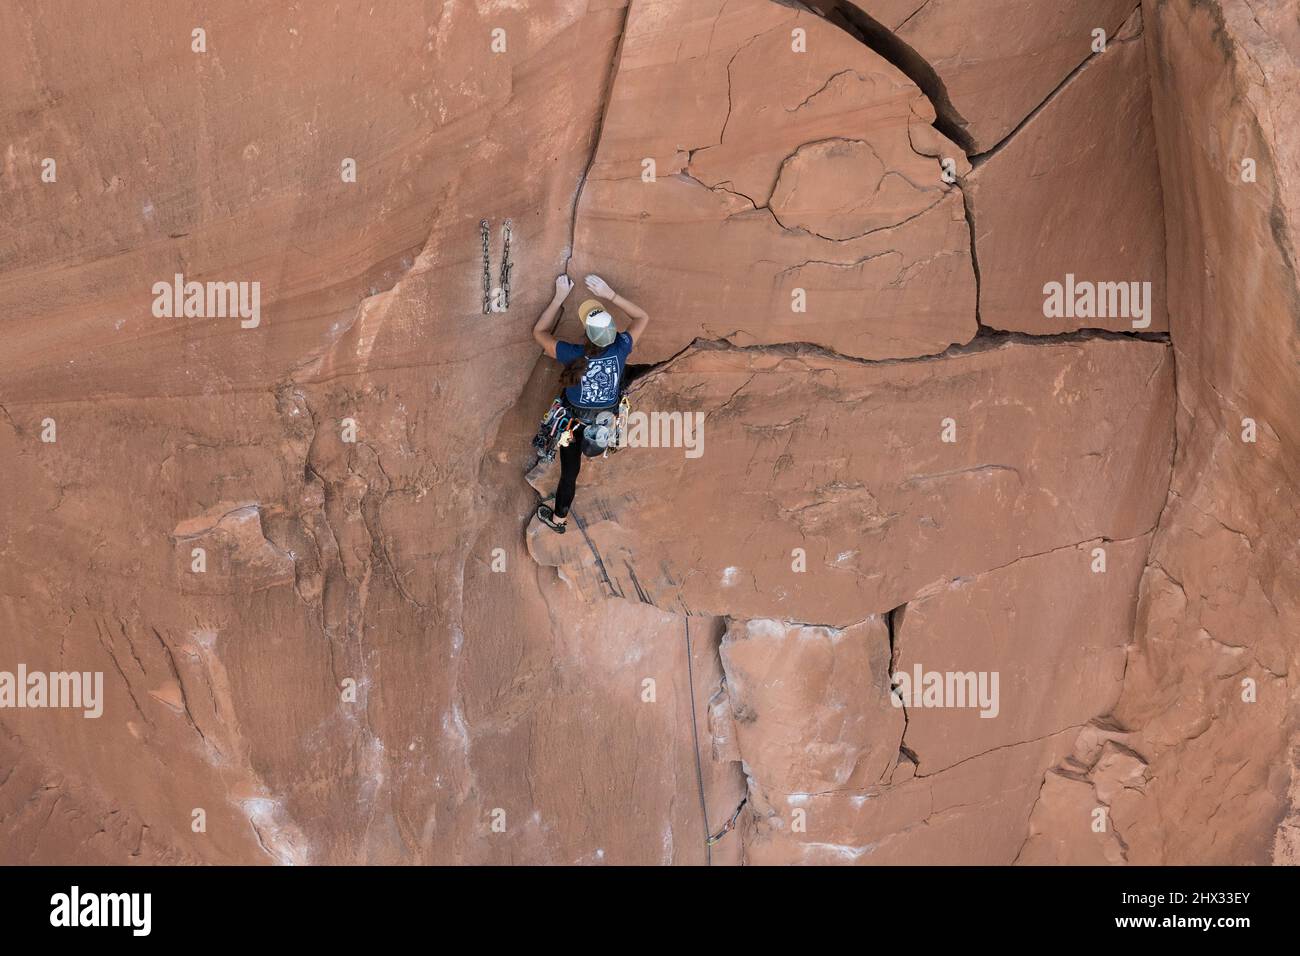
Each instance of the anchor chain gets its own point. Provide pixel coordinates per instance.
(506, 266)
(487, 268)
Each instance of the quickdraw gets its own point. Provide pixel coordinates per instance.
(556, 431)
(728, 826)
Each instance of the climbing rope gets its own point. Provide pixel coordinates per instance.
(487, 268)
(695, 736)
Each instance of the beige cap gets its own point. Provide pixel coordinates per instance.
(598, 323)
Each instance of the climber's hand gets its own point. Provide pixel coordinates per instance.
(599, 287)
(562, 286)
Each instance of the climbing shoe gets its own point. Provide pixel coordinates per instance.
(548, 519)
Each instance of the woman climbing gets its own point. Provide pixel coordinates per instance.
(592, 379)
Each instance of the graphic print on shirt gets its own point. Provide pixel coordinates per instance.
(600, 383)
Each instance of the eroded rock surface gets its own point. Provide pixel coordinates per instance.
(769, 195)
(847, 463)
(1054, 628)
(810, 705)
(1074, 198)
(318, 715)
(1209, 690)
(995, 65)
(972, 813)
(384, 660)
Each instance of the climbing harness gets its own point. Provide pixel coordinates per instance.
(506, 265)
(597, 426)
(600, 430)
(487, 268)
(728, 826)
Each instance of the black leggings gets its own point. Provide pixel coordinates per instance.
(570, 464)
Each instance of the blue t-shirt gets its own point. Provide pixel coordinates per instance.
(599, 385)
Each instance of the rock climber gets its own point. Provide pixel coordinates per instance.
(592, 379)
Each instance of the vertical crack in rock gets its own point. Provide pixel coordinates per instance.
(1173, 351)
(894, 624)
(610, 77)
(974, 258)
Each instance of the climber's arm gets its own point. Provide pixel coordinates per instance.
(640, 318)
(546, 321)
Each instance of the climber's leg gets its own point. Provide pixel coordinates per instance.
(570, 463)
